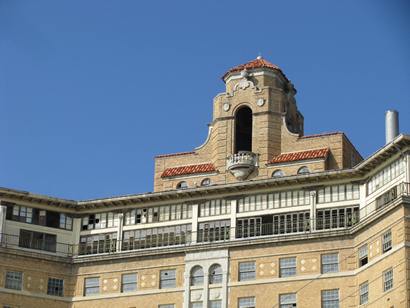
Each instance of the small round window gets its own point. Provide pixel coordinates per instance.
(303, 170)
(182, 185)
(206, 182)
(278, 173)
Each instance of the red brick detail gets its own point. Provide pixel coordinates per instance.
(322, 135)
(254, 64)
(304, 155)
(186, 170)
(174, 154)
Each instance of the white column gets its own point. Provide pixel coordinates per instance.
(312, 210)
(408, 168)
(3, 210)
(233, 220)
(195, 214)
(364, 210)
(119, 231)
(187, 293)
(76, 235)
(205, 291)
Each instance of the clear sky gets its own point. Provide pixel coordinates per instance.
(91, 91)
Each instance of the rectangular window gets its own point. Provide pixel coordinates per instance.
(330, 298)
(364, 293)
(215, 304)
(388, 280)
(387, 241)
(166, 306)
(98, 243)
(247, 271)
(247, 302)
(167, 279)
(129, 282)
(214, 231)
(55, 287)
(287, 267)
(91, 286)
(363, 255)
(14, 280)
(196, 305)
(330, 263)
(37, 240)
(287, 300)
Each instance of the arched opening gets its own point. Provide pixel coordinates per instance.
(215, 274)
(182, 185)
(303, 170)
(197, 276)
(278, 173)
(243, 130)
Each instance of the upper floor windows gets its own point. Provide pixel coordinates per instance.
(100, 221)
(362, 254)
(213, 231)
(197, 276)
(215, 274)
(182, 185)
(55, 287)
(14, 280)
(206, 182)
(303, 170)
(247, 271)
(334, 218)
(388, 280)
(247, 302)
(91, 286)
(287, 267)
(98, 243)
(215, 207)
(167, 279)
(337, 193)
(38, 216)
(330, 298)
(129, 282)
(386, 241)
(278, 173)
(287, 300)
(330, 263)
(364, 293)
(157, 214)
(386, 175)
(37, 240)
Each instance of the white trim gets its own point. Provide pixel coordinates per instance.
(207, 138)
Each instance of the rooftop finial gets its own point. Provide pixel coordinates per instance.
(259, 56)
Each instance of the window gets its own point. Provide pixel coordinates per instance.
(364, 293)
(37, 240)
(129, 282)
(303, 170)
(14, 280)
(278, 173)
(215, 207)
(247, 271)
(196, 305)
(167, 279)
(243, 129)
(247, 302)
(330, 263)
(330, 298)
(214, 231)
(157, 214)
(337, 193)
(387, 241)
(100, 221)
(91, 286)
(287, 267)
(55, 287)
(287, 300)
(388, 280)
(197, 276)
(182, 185)
(98, 243)
(363, 255)
(215, 274)
(206, 182)
(337, 218)
(215, 304)
(166, 306)
(386, 175)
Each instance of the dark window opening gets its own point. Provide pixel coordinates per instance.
(243, 130)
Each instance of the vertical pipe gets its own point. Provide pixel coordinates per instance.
(392, 125)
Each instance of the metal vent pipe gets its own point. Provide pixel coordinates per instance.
(392, 125)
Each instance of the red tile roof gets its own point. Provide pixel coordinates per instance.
(174, 154)
(304, 155)
(191, 169)
(257, 63)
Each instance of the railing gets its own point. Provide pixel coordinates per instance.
(36, 245)
(242, 158)
(392, 194)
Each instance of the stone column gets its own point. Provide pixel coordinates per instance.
(3, 210)
(195, 215)
(119, 231)
(232, 234)
(312, 210)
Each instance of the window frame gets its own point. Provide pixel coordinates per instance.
(54, 289)
(330, 302)
(288, 302)
(329, 264)
(252, 298)
(388, 283)
(11, 282)
(95, 286)
(283, 267)
(126, 284)
(387, 241)
(361, 256)
(247, 273)
(364, 293)
(163, 280)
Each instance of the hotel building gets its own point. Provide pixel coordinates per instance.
(260, 215)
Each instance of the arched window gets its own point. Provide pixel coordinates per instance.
(206, 182)
(278, 173)
(197, 276)
(303, 170)
(215, 274)
(243, 130)
(182, 185)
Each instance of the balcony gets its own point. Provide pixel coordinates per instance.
(242, 164)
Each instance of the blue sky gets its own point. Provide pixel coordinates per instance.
(91, 91)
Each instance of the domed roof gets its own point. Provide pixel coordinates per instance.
(259, 62)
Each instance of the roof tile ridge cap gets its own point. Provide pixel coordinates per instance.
(302, 151)
(175, 154)
(192, 165)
